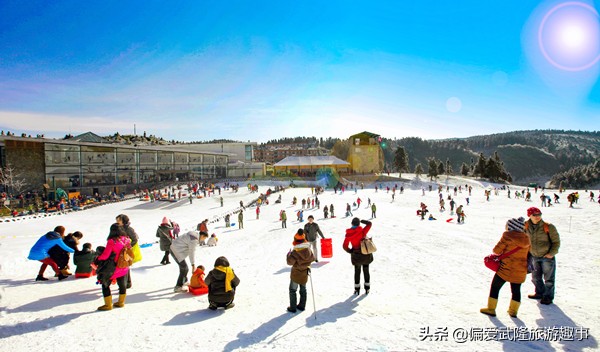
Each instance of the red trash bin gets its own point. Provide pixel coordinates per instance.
(326, 248)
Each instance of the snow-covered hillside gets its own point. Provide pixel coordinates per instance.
(428, 280)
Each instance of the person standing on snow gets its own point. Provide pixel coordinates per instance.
(123, 220)
(165, 238)
(512, 269)
(311, 229)
(117, 241)
(354, 236)
(545, 243)
(283, 217)
(241, 219)
(299, 258)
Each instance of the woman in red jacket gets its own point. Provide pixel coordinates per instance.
(354, 236)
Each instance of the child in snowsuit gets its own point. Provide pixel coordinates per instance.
(222, 283)
(212, 241)
(299, 258)
(83, 260)
(197, 280)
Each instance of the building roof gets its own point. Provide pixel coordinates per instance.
(328, 160)
(365, 134)
(89, 137)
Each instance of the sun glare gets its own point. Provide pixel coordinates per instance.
(569, 36)
(573, 37)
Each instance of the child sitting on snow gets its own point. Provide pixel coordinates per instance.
(83, 260)
(197, 280)
(221, 282)
(212, 241)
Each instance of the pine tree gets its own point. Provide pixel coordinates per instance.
(464, 169)
(418, 169)
(401, 160)
(449, 170)
(441, 169)
(480, 166)
(433, 169)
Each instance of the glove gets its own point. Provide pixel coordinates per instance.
(366, 222)
(348, 250)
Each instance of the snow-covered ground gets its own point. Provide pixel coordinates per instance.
(428, 280)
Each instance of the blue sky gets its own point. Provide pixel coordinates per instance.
(258, 70)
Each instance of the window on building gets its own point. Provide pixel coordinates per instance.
(248, 155)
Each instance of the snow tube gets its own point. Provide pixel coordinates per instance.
(198, 291)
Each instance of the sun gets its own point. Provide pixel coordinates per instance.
(573, 37)
(569, 36)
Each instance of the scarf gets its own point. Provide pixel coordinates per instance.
(229, 275)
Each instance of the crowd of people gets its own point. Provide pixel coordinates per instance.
(530, 244)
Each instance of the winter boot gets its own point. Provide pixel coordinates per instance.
(367, 288)
(491, 308)
(40, 278)
(513, 308)
(121, 302)
(357, 289)
(108, 305)
(66, 272)
(61, 276)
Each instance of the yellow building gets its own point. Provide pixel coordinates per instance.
(365, 154)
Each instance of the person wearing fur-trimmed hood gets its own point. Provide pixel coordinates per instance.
(354, 236)
(300, 257)
(165, 235)
(222, 283)
(512, 268)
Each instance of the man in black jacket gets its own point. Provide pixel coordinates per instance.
(311, 229)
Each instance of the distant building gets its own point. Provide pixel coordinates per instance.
(365, 154)
(311, 165)
(242, 162)
(273, 153)
(91, 168)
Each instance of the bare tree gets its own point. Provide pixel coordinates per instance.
(11, 180)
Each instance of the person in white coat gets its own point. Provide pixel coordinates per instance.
(181, 248)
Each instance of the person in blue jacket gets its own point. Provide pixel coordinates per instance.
(40, 249)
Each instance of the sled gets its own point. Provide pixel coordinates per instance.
(198, 291)
(326, 248)
(450, 220)
(233, 223)
(85, 275)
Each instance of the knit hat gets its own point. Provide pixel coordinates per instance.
(355, 222)
(165, 221)
(533, 210)
(299, 237)
(516, 225)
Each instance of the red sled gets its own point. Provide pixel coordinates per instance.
(326, 248)
(198, 291)
(83, 275)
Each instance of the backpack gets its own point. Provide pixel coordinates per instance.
(545, 224)
(125, 259)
